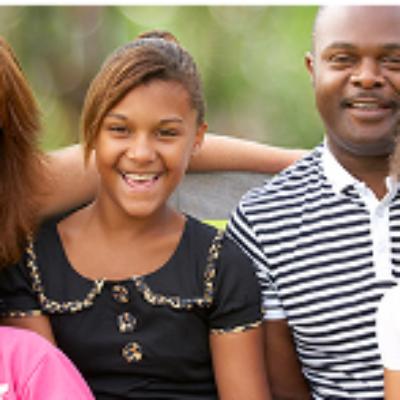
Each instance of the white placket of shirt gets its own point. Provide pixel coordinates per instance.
(380, 227)
(378, 211)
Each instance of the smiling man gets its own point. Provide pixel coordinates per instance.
(324, 234)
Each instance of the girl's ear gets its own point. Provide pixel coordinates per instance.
(198, 141)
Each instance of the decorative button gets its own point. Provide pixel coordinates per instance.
(120, 293)
(126, 322)
(132, 352)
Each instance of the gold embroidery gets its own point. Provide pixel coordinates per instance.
(237, 329)
(177, 302)
(132, 352)
(120, 294)
(126, 322)
(52, 306)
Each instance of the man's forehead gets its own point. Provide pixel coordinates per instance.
(348, 24)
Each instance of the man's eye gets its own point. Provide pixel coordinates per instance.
(392, 62)
(342, 59)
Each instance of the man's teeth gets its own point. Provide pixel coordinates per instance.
(366, 106)
(140, 177)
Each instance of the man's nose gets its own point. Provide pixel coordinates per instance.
(368, 74)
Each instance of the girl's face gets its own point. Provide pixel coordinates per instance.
(144, 146)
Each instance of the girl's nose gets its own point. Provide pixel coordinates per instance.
(141, 149)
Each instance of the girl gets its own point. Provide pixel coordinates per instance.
(40, 186)
(147, 302)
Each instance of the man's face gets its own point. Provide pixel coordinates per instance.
(355, 69)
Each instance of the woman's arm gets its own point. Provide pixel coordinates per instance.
(223, 153)
(72, 184)
(392, 384)
(388, 335)
(239, 365)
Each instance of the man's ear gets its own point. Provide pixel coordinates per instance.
(309, 61)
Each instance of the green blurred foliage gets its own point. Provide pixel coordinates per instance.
(251, 59)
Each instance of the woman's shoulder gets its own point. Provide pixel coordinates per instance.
(16, 337)
(22, 349)
(27, 363)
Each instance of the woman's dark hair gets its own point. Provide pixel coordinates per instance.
(20, 161)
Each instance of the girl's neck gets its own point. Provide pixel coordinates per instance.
(100, 244)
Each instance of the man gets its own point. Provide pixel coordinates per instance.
(325, 233)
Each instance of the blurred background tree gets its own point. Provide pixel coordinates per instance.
(251, 59)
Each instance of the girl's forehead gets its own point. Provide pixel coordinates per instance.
(157, 89)
(156, 100)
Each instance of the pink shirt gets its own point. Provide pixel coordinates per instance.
(31, 368)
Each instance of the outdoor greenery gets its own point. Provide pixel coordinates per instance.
(251, 59)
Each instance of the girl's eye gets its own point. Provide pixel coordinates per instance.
(118, 129)
(167, 133)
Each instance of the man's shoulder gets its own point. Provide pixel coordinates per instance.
(297, 179)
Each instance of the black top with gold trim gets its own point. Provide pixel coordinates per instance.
(146, 337)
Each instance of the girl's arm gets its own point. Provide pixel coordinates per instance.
(239, 365)
(285, 375)
(72, 184)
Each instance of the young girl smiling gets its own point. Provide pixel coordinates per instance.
(149, 303)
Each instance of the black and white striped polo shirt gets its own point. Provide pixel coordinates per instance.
(316, 261)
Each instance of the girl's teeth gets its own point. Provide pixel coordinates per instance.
(140, 177)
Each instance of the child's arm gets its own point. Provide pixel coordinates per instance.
(223, 153)
(239, 365)
(392, 384)
(71, 184)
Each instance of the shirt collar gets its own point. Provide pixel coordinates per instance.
(341, 179)
(337, 176)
